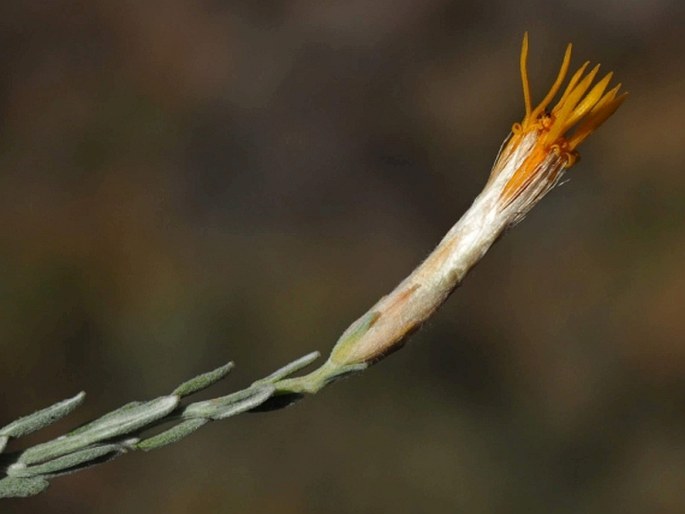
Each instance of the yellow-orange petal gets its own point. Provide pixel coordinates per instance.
(593, 121)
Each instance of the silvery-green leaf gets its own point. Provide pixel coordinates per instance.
(289, 369)
(183, 429)
(105, 418)
(42, 418)
(220, 408)
(11, 487)
(124, 422)
(73, 461)
(203, 381)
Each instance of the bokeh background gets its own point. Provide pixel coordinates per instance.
(188, 182)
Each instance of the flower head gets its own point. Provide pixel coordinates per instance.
(530, 163)
(545, 142)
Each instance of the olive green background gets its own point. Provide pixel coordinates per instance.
(184, 183)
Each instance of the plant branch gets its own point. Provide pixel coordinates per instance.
(530, 163)
(28, 472)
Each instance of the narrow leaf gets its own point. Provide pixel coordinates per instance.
(172, 435)
(220, 408)
(203, 381)
(289, 369)
(42, 418)
(125, 422)
(11, 487)
(73, 461)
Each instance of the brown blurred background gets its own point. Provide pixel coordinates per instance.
(188, 182)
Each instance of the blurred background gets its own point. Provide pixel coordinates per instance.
(184, 183)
